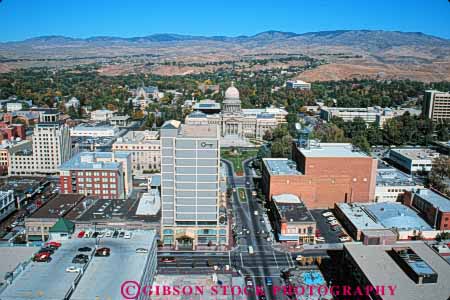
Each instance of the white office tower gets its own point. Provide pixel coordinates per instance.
(190, 168)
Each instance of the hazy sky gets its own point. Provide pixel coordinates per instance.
(21, 19)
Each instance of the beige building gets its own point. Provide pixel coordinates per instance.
(7, 148)
(437, 105)
(51, 147)
(237, 123)
(144, 147)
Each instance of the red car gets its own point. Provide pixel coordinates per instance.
(317, 232)
(80, 234)
(42, 257)
(53, 244)
(167, 259)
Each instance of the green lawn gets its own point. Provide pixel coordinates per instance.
(237, 159)
(242, 195)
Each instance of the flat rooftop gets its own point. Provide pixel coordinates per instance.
(381, 270)
(13, 257)
(393, 177)
(281, 166)
(397, 215)
(435, 199)
(102, 277)
(199, 131)
(416, 153)
(88, 161)
(358, 215)
(331, 150)
(58, 207)
(295, 212)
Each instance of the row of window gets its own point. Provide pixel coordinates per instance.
(96, 179)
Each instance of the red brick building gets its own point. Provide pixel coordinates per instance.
(12, 131)
(433, 207)
(322, 175)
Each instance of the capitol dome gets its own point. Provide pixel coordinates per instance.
(232, 92)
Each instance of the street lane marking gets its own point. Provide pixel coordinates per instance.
(275, 259)
(242, 262)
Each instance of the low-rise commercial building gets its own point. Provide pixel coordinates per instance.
(413, 160)
(392, 183)
(298, 84)
(8, 148)
(120, 121)
(7, 203)
(323, 174)
(101, 115)
(406, 271)
(84, 130)
(38, 225)
(105, 175)
(402, 220)
(145, 149)
(434, 207)
(291, 220)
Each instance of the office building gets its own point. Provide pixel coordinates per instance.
(434, 207)
(413, 160)
(321, 175)
(7, 203)
(106, 175)
(298, 84)
(190, 193)
(8, 148)
(437, 105)
(145, 149)
(413, 270)
(51, 147)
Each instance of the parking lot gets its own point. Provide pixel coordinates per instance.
(325, 228)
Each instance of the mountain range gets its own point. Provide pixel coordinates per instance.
(392, 54)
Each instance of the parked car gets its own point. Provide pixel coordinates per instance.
(127, 235)
(108, 234)
(84, 249)
(115, 234)
(80, 259)
(80, 234)
(167, 259)
(73, 269)
(331, 219)
(46, 250)
(345, 239)
(320, 239)
(141, 250)
(333, 223)
(103, 252)
(88, 234)
(269, 281)
(53, 244)
(122, 234)
(327, 214)
(42, 257)
(249, 281)
(95, 234)
(101, 234)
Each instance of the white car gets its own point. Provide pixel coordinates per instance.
(320, 239)
(344, 239)
(331, 218)
(73, 269)
(127, 235)
(101, 234)
(333, 223)
(256, 212)
(88, 234)
(141, 250)
(108, 234)
(327, 214)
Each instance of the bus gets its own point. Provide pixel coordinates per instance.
(250, 250)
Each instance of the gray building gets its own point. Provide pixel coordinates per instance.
(190, 168)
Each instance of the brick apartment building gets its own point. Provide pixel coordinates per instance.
(321, 175)
(434, 207)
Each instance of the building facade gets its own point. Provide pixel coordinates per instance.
(145, 149)
(437, 105)
(93, 131)
(413, 160)
(298, 84)
(434, 207)
(104, 175)
(190, 193)
(51, 147)
(101, 115)
(7, 203)
(322, 175)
